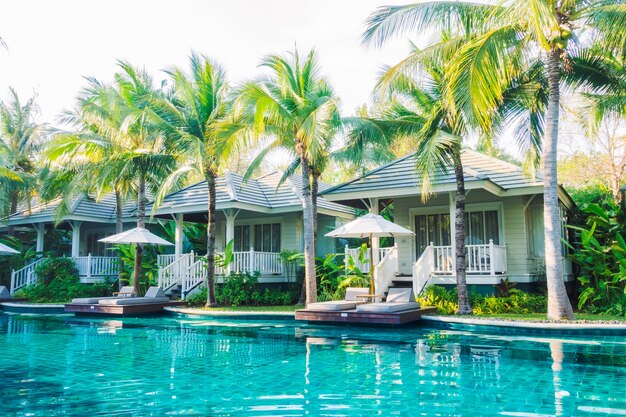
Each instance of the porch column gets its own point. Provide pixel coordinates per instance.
(178, 235)
(375, 240)
(40, 228)
(75, 238)
(453, 229)
(230, 231)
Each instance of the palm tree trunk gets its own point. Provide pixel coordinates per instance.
(314, 190)
(309, 233)
(559, 306)
(141, 222)
(119, 228)
(13, 202)
(210, 246)
(459, 236)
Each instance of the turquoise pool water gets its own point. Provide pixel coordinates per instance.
(56, 366)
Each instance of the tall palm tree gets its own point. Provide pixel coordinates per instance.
(417, 109)
(297, 108)
(194, 115)
(21, 138)
(515, 32)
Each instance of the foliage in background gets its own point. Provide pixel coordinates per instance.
(58, 281)
(518, 302)
(149, 265)
(241, 289)
(600, 252)
(334, 277)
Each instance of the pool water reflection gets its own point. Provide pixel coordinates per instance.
(183, 366)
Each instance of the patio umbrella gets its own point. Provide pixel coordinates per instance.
(136, 235)
(6, 250)
(370, 225)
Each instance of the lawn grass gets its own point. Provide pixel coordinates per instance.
(542, 316)
(256, 309)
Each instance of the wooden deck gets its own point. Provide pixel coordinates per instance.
(121, 310)
(352, 316)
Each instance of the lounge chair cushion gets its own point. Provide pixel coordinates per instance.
(352, 292)
(332, 305)
(387, 307)
(400, 295)
(5, 294)
(133, 301)
(155, 292)
(90, 300)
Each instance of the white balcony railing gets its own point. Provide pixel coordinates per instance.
(364, 266)
(487, 259)
(96, 266)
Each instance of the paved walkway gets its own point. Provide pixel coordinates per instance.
(525, 324)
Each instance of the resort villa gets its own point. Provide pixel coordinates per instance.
(504, 223)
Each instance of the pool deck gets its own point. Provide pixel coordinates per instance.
(120, 310)
(15, 306)
(359, 317)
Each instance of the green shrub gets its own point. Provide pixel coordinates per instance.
(197, 299)
(58, 281)
(518, 302)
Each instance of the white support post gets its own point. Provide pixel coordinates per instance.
(345, 260)
(41, 231)
(230, 232)
(89, 266)
(375, 243)
(75, 238)
(453, 229)
(178, 236)
(252, 263)
(492, 258)
(395, 249)
(12, 280)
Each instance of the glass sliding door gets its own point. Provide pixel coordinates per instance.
(433, 228)
(481, 226)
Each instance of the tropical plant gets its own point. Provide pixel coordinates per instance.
(297, 109)
(193, 115)
(21, 137)
(511, 37)
(601, 254)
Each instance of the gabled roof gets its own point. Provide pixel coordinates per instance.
(83, 208)
(401, 178)
(261, 194)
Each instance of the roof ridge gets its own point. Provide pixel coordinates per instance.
(228, 179)
(367, 174)
(493, 158)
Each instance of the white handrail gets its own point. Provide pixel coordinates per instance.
(267, 263)
(386, 270)
(165, 260)
(195, 276)
(173, 273)
(363, 266)
(479, 259)
(422, 269)
(95, 266)
(24, 276)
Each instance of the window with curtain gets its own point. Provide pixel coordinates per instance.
(267, 237)
(481, 226)
(433, 228)
(242, 238)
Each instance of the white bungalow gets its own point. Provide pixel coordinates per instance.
(504, 222)
(261, 217)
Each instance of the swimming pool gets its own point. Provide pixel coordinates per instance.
(53, 366)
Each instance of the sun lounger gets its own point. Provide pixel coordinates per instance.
(154, 295)
(5, 294)
(350, 302)
(125, 292)
(398, 299)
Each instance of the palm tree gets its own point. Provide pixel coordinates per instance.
(512, 34)
(417, 109)
(20, 140)
(194, 114)
(297, 108)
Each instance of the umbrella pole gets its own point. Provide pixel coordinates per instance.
(372, 284)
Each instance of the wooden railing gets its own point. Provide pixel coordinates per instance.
(172, 273)
(489, 259)
(95, 266)
(363, 266)
(24, 276)
(386, 270)
(194, 277)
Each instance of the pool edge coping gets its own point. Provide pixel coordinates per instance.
(241, 314)
(524, 325)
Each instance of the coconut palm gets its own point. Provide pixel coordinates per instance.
(417, 109)
(193, 114)
(297, 109)
(21, 138)
(556, 33)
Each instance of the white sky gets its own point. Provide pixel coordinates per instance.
(53, 44)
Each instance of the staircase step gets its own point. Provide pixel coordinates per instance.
(401, 284)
